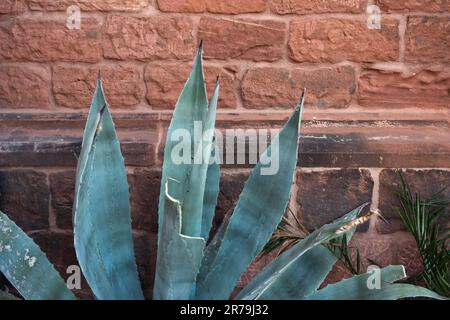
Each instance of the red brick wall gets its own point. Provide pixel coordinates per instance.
(377, 100)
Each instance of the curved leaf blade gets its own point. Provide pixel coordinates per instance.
(260, 208)
(27, 267)
(268, 277)
(305, 275)
(356, 288)
(102, 221)
(191, 106)
(92, 122)
(179, 256)
(195, 185)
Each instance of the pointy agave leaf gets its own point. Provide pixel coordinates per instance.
(212, 188)
(271, 274)
(179, 256)
(191, 108)
(304, 275)
(180, 253)
(102, 222)
(98, 103)
(198, 173)
(364, 287)
(258, 212)
(26, 266)
(7, 296)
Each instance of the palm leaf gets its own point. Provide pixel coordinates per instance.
(421, 220)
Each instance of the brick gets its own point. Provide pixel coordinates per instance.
(426, 182)
(89, 5)
(24, 197)
(426, 88)
(317, 6)
(214, 6)
(50, 40)
(257, 40)
(413, 5)
(12, 6)
(407, 254)
(148, 38)
(73, 86)
(280, 88)
(235, 6)
(24, 86)
(336, 39)
(192, 6)
(324, 196)
(380, 250)
(395, 249)
(165, 82)
(62, 186)
(144, 194)
(427, 39)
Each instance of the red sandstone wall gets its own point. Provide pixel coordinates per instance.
(377, 100)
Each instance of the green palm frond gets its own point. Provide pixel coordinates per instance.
(420, 216)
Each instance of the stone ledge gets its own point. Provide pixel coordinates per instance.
(46, 140)
(62, 152)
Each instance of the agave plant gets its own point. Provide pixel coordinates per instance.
(187, 268)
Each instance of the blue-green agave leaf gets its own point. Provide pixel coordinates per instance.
(192, 106)
(98, 103)
(212, 188)
(304, 275)
(7, 296)
(26, 266)
(274, 273)
(179, 256)
(259, 210)
(196, 182)
(357, 288)
(102, 221)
